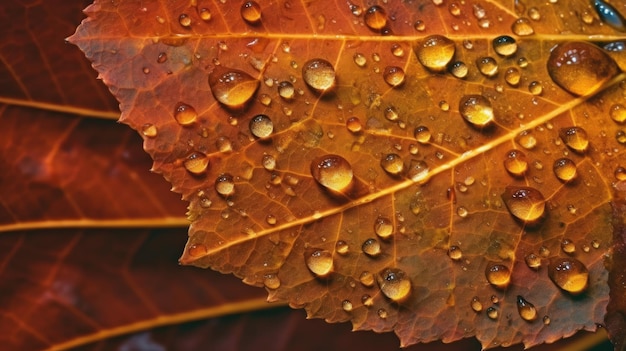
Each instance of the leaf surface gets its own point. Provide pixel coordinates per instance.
(372, 222)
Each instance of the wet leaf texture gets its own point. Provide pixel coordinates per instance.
(440, 169)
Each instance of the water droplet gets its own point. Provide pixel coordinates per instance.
(261, 126)
(359, 59)
(535, 88)
(251, 12)
(354, 124)
(205, 14)
(498, 275)
(620, 136)
(492, 312)
(569, 274)
(286, 90)
(391, 113)
(223, 144)
(375, 18)
(512, 76)
(459, 69)
(505, 46)
(382, 313)
(197, 250)
(487, 66)
(444, 105)
(271, 281)
(524, 203)
(319, 74)
(196, 163)
(476, 305)
(462, 212)
(346, 305)
(527, 140)
(225, 185)
(341, 247)
(564, 169)
(162, 57)
(392, 164)
(575, 138)
(546, 320)
(522, 27)
(620, 173)
(367, 278)
(609, 15)
(580, 68)
(568, 246)
(332, 172)
(371, 247)
(476, 110)
(319, 262)
(393, 76)
(422, 134)
(526, 310)
(435, 52)
(516, 163)
(383, 227)
(232, 88)
(270, 219)
(394, 284)
(149, 130)
(419, 25)
(397, 50)
(184, 20)
(185, 114)
(367, 300)
(534, 14)
(618, 113)
(495, 299)
(418, 170)
(455, 253)
(532, 261)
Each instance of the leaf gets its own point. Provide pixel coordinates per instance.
(366, 221)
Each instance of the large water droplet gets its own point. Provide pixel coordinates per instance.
(232, 88)
(261, 126)
(498, 275)
(185, 114)
(516, 163)
(524, 203)
(332, 172)
(392, 164)
(196, 163)
(526, 310)
(393, 75)
(487, 66)
(371, 247)
(580, 68)
(476, 110)
(565, 169)
(251, 12)
(575, 138)
(375, 18)
(319, 262)
(609, 15)
(504, 45)
(394, 284)
(225, 185)
(383, 227)
(569, 274)
(435, 52)
(319, 74)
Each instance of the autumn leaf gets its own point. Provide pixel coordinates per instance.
(441, 170)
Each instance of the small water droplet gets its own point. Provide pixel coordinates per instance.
(532, 261)
(527, 140)
(367, 300)
(149, 130)
(392, 164)
(196, 163)
(462, 212)
(609, 15)
(419, 25)
(319, 74)
(367, 278)
(397, 50)
(418, 170)
(535, 88)
(522, 27)
(476, 305)
(354, 124)
(375, 18)
(184, 20)
(524, 203)
(185, 114)
(435, 52)
(382, 313)
(232, 88)
(319, 262)
(393, 75)
(269, 162)
(270, 219)
(371, 247)
(495, 299)
(391, 114)
(332, 172)
(565, 169)
(251, 12)
(346, 305)
(618, 113)
(205, 14)
(286, 90)
(341, 247)
(422, 134)
(455, 253)
(476, 110)
(394, 284)
(162, 57)
(487, 66)
(271, 281)
(546, 320)
(444, 105)
(569, 274)
(568, 246)
(512, 76)
(516, 163)
(580, 68)
(526, 310)
(225, 185)
(620, 136)
(359, 59)
(197, 250)
(575, 138)
(505, 46)
(620, 173)
(261, 126)
(223, 144)
(492, 312)
(383, 227)
(459, 69)
(534, 14)
(498, 275)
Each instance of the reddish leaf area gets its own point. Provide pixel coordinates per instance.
(395, 220)
(616, 316)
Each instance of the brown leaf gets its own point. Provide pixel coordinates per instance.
(371, 221)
